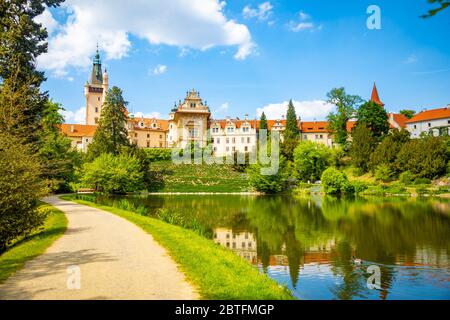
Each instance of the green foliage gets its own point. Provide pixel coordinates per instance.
(406, 177)
(20, 188)
(374, 117)
(346, 106)
(291, 131)
(359, 186)
(22, 40)
(268, 183)
(263, 122)
(418, 181)
(111, 133)
(335, 182)
(59, 159)
(442, 4)
(408, 113)
(310, 160)
(158, 154)
(425, 158)
(363, 144)
(113, 174)
(287, 148)
(179, 219)
(240, 157)
(386, 152)
(384, 173)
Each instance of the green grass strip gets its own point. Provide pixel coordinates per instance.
(215, 271)
(34, 245)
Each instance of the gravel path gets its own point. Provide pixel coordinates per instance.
(112, 258)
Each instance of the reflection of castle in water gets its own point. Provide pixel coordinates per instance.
(244, 244)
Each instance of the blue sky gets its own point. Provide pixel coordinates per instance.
(251, 55)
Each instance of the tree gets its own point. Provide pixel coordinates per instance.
(374, 117)
(311, 159)
(408, 113)
(387, 151)
(346, 105)
(111, 132)
(263, 123)
(443, 4)
(268, 183)
(113, 174)
(22, 40)
(21, 186)
(363, 144)
(291, 131)
(335, 182)
(424, 158)
(59, 159)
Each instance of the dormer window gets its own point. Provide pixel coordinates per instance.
(192, 105)
(154, 125)
(230, 129)
(245, 129)
(215, 130)
(141, 124)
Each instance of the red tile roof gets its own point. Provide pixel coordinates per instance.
(433, 114)
(400, 119)
(314, 126)
(78, 130)
(161, 125)
(375, 97)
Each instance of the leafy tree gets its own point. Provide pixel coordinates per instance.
(113, 174)
(111, 132)
(425, 158)
(363, 144)
(311, 159)
(335, 181)
(384, 172)
(59, 159)
(291, 131)
(346, 105)
(21, 186)
(263, 122)
(287, 147)
(268, 183)
(386, 152)
(374, 117)
(22, 40)
(443, 4)
(144, 162)
(408, 113)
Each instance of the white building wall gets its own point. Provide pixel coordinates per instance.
(417, 128)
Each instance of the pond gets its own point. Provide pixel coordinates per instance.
(313, 245)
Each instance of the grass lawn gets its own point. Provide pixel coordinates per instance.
(34, 245)
(216, 271)
(171, 177)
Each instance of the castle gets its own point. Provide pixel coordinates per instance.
(191, 121)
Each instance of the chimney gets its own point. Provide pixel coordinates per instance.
(72, 128)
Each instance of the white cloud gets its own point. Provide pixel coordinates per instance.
(411, 59)
(296, 27)
(159, 69)
(303, 16)
(78, 116)
(307, 110)
(262, 12)
(154, 114)
(222, 108)
(195, 24)
(47, 21)
(303, 23)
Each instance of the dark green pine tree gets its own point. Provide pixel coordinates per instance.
(111, 134)
(263, 122)
(22, 40)
(291, 131)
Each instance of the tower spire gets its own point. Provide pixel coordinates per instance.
(96, 74)
(375, 97)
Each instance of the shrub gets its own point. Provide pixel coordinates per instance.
(113, 174)
(406, 177)
(359, 186)
(386, 152)
(20, 188)
(422, 181)
(158, 154)
(383, 172)
(268, 183)
(362, 147)
(396, 188)
(335, 182)
(310, 160)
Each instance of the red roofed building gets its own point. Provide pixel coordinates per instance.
(435, 121)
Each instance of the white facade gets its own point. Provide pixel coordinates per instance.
(435, 121)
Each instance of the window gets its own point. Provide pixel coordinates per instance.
(98, 98)
(217, 140)
(215, 130)
(170, 126)
(233, 140)
(429, 124)
(228, 148)
(215, 148)
(245, 129)
(321, 136)
(305, 137)
(148, 135)
(243, 244)
(245, 148)
(96, 109)
(242, 140)
(160, 136)
(249, 244)
(141, 124)
(317, 136)
(248, 139)
(193, 132)
(233, 149)
(96, 120)
(415, 127)
(160, 144)
(228, 236)
(135, 135)
(212, 140)
(87, 140)
(228, 140)
(148, 144)
(234, 245)
(192, 105)
(230, 129)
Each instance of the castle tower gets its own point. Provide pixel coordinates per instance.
(375, 97)
(95, 91)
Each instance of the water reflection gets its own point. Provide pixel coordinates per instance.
(307, 244)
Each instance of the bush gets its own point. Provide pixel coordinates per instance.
(386, 152)
(113, 174)
(422, 181)
(383, 172)
(362, 147)
(425, 158)
(268, 183)
(158, 154)
(359, 186)
(335, 182)
(310, 160)
(406, 177)
(20, 188)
